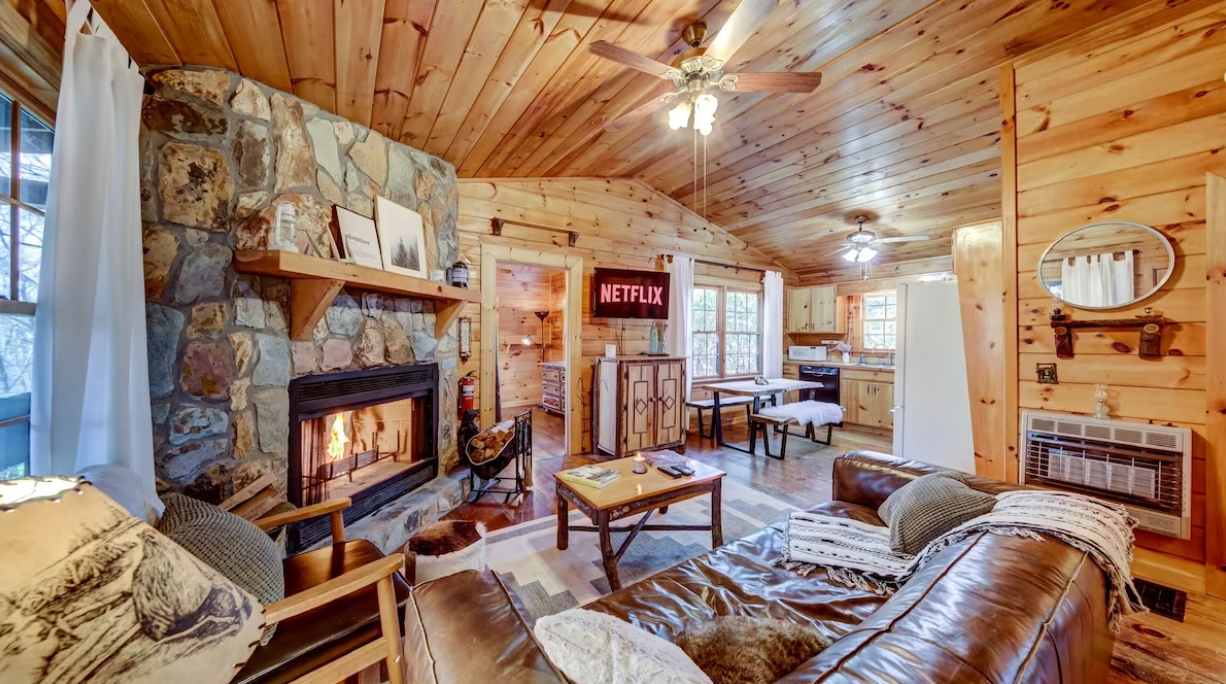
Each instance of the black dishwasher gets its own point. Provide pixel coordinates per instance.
(828, 393)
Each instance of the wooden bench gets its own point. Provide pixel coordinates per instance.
(759, 421)
(724, 402)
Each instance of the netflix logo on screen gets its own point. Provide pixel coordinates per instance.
(629, 294)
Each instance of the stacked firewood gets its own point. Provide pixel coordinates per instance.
(489, 443)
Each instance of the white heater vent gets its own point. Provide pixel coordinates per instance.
(1145, 467)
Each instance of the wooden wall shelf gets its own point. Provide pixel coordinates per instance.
(1149, 325)
(315, 282)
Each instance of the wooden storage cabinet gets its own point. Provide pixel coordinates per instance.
(640, 404)
(816, 310)
(553, 387)
(867, 398)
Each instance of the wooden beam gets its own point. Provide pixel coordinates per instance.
(1008, 264)
(1215, 396)
(977, 263)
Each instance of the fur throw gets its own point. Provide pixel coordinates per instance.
(814, 413)
(446, 537)
(445, 548)
(743, 650)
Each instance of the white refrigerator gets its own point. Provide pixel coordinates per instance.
(932, 407)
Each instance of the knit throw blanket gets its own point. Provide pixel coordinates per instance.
(858, 554)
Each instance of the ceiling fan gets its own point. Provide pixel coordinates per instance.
(861, 249)
(699, 70)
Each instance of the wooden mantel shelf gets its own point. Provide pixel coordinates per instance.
(315, 282)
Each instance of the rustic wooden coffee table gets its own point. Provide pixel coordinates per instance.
(631, 494)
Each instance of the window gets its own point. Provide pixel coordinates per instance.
(727, 333)
(25, 162)
(880, 328)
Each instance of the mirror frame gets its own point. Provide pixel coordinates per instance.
(1170, 264)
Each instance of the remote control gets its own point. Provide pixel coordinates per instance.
(671, 471)
(684, 469)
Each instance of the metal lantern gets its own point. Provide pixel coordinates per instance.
(458, 275)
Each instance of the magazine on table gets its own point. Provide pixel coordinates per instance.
(665, 458)
(590, 475)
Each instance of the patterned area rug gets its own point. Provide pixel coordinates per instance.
(549, 581)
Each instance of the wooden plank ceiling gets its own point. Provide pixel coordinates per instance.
(904, 127)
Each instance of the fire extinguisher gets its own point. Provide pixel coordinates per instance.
(468, 392)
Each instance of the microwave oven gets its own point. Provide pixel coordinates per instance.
(806, 353)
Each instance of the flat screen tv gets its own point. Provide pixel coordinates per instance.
(618, 293)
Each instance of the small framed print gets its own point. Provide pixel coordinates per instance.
(402, 238)
(360, 238)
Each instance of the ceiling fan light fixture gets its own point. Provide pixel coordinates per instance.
(850, 255)
(866, 254)
(704, 112)
(679, 116)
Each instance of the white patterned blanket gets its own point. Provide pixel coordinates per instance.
(858, 554)
(814, 413)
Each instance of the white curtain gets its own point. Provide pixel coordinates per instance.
(772, 325)
(679, 336)
(1097, 280)
(91, 386)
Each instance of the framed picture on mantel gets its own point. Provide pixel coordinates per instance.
(402, 238)
(360, 239)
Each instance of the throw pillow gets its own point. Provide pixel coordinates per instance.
(744, 650)
(928, 507)
(597, 648)
(235, 547)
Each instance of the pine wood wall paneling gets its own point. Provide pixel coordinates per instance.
(450, 36)
(359, 28)
(978, 256)
(194, 29)
(657, 226)
(1215, 421)
(308, 32)
(1125, 130)
(253, 30)
(29, 64)
(522, 290)
(406, 24)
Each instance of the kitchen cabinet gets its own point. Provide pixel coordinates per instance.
(640, 404)
(816, 309)
(867, 401)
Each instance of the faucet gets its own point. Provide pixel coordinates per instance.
(889, 352)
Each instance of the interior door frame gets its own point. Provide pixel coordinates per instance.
(572, 329)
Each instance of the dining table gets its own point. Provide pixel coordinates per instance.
(749, 388)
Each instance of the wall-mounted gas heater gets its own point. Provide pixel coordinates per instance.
(1148, 468)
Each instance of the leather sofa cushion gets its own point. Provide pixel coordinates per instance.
(738, 579)
(305, 642)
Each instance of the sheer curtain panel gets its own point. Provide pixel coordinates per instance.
(679, 336)
(772, 324)
(90, 403)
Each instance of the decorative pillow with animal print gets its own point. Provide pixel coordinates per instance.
(744, 650)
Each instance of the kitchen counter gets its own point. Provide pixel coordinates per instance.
(840, 364)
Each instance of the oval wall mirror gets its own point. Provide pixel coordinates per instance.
(1107, 265)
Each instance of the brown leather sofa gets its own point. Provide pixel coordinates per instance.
(989, 609)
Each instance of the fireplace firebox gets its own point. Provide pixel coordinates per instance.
(368, 435)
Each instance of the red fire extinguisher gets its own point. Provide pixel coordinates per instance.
(468, 392)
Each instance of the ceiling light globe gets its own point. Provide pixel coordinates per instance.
(678, 116)
(850, 255)
(705, 106)
(866, 254)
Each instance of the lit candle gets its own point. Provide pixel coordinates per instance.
(640, 464)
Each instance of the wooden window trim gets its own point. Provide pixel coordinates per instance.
(721, 309)
(865, 320)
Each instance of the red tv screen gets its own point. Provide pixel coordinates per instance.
(619, 293)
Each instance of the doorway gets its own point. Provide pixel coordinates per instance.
(531, 352)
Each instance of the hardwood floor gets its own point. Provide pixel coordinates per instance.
(1148, 650)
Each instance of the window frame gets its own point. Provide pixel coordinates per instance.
(721, 333)
(865, 320)
(11, 200)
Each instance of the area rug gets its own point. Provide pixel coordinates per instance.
(549, 581)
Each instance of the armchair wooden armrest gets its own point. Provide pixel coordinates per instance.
(387, 646)
(332, 507)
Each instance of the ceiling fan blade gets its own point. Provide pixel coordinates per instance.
(635, 115)
(747, 18)
(630, 58)
(909, 238)
(776, 82)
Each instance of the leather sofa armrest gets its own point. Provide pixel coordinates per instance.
(867, 477)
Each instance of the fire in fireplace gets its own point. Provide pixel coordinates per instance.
(366, 435)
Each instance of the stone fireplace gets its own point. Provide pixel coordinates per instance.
(366, 435)
(228, 383)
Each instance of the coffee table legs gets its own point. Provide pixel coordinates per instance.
(717, 516)
(607, 554)
(563, 523)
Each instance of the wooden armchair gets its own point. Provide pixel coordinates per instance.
(342, 611)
